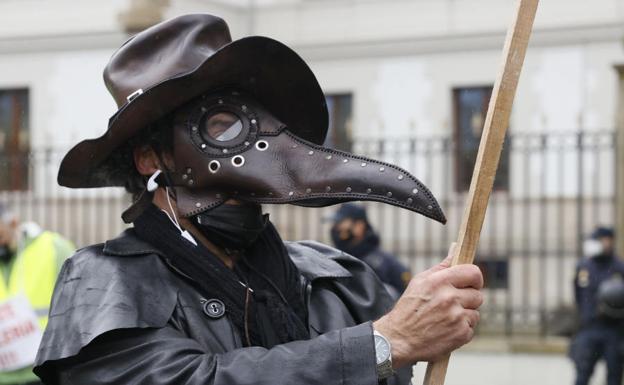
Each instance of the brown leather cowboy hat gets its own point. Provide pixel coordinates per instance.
(175, 61)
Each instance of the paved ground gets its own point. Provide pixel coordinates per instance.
(505, 368)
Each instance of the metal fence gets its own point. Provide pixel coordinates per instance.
(559, 186)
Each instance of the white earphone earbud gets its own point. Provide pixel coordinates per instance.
(152, 185)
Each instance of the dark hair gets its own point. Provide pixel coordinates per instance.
(158, 136)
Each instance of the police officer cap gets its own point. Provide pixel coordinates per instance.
(350, 211)
(602, 232)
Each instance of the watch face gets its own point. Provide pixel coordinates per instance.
(382, 349)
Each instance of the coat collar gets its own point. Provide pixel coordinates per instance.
(314, 260)
(129, 244)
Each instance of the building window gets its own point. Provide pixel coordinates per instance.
(14, 139)
(470, 108)
(340, 118)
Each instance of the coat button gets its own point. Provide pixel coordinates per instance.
(214, 308)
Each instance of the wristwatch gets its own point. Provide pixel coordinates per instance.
(383, 354)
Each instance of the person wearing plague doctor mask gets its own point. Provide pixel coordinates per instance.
(30, 260)
(352, 233)
(202, 289)
(599, 293)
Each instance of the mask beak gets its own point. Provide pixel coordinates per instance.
(286, 169)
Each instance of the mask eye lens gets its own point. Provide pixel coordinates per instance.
(222, 126)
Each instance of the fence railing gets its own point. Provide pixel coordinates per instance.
(559, 186)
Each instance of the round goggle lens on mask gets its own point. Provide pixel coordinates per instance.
(222, 126)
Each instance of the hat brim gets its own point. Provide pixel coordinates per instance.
(267, 69)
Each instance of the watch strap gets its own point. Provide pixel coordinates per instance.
(384, 370)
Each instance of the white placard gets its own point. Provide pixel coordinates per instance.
(20, 334)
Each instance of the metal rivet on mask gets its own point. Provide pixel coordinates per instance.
(400, 177)
(429, 207)
(184, 176)
(294, 146)
(214, 166)
(328, 189)
(218, 196)
(204, 109)
(220, 101)
(188, 170)
(345, 160)
(262, 145)
(415, 191)
(246, 143)
(368, 190)
(270, 193)
(328, 157)
(191, 182)
(382, 169)
(225, 151)
(308, 190)
(389, 194)
(203, 145)
(238, 161)
(311, 153)
(194, 128)
(244, 107)
(254, 121)
(349, 189)
(291, 194)
(363, 164)
(410, 200)
(198, 204)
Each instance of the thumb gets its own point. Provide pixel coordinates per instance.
(446, 263)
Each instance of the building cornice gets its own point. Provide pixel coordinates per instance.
(458, 43)
(62, 42)
(578, 35)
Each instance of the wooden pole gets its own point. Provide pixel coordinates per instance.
(490, 147)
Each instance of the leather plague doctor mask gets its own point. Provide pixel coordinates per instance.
(227, 146)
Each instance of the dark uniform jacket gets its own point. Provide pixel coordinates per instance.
(590, 273)
(389, 270)
(122, 315)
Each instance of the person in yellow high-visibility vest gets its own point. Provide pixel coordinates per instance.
(30, 260)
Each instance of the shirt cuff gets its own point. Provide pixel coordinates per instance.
(359, 366)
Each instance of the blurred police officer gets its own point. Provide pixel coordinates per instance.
(352, 233)
(599, 293)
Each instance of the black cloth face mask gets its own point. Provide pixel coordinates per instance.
(340, 240)
(234, 227)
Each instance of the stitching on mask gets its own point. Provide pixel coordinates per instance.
(424, 190)
(433, 213)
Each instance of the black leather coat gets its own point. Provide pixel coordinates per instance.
(122, 315)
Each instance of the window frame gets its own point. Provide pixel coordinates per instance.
(14, 154)
(456, 136)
